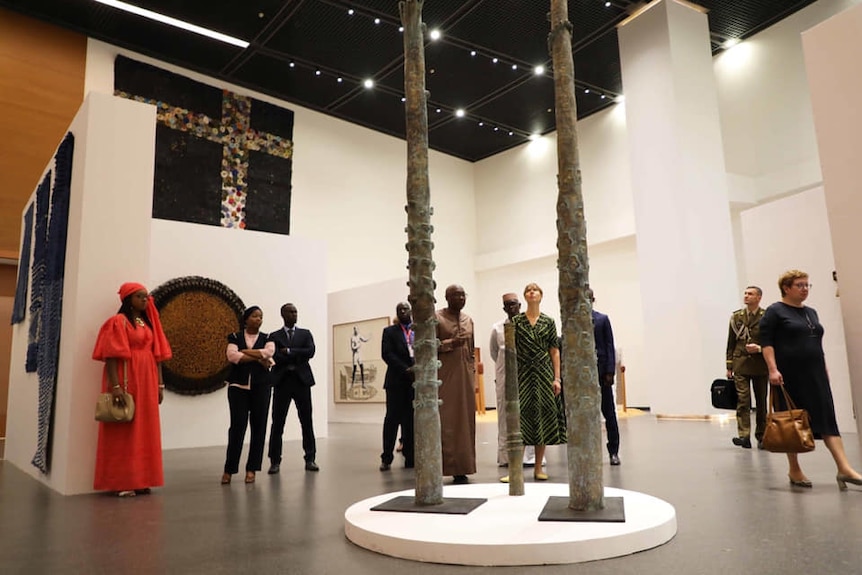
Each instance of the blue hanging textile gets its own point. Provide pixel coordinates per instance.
(19, 308)
(37, 269)
(48, 351)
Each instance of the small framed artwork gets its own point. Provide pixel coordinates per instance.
(357, 365)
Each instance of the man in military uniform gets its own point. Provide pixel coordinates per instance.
(746, 365)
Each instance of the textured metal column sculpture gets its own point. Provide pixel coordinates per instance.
(426, 415)
(580, 372)
(514, 442)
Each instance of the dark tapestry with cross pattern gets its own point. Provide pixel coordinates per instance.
(222, 159)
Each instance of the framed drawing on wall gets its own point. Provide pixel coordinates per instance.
(357, 364)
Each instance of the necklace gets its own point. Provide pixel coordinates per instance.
(804, 312)
(139, 321)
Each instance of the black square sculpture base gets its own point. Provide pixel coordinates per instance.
(557, 509)
(450, 505)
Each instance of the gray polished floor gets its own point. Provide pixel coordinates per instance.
(735, 509)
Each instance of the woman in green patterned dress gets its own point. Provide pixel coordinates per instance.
(542, 419)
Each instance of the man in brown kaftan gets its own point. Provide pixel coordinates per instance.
(457, 374)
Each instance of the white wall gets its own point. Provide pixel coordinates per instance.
(349, 189)
(832, 52)
(793, 233)
(263, 269)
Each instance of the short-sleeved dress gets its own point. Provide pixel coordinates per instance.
(796, 335)
(129, 455)
(542, 418)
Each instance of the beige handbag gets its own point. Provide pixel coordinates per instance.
(787, 431)
(109, 412)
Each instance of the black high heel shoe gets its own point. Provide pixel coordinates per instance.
(843, 480)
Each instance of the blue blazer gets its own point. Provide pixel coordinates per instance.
(604, 344)
(396, 354)
(296, 360)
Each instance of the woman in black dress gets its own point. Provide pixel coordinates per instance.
(791, 336)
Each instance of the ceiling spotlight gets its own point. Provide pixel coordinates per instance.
(514, 66)
(607, 4)
(403, 99)
(368, 83)
(494, 60)
(401, 28)
(339, 79)
(730, 43)
(435, 34)
(511, 133)
(481, 124)
(472, 52)
(350, 12)
(377, 20)
(460, 112)
(292, 64)
(539, 70)
(496, 129)
(438, 110)
(587, 91)
(317, 72)
(603, 96)
(534, 137)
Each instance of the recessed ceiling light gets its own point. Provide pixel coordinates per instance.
(292, 64)
(401, 28)
(149, 14)
(607, 4)
(514, 66)
(368, 83)
(435, 34)
(481, 124)
(511, 133)
(317, 72)
(730, 43)
(496, 129)
(603, 96)
(587, 91)
(472, 52)
(377, 20)
(539, 70)
(403, 99)
(460, 112)
(494, 60)
(438, 110)
(350, 12)
(339, 80)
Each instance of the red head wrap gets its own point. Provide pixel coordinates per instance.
(161, 347)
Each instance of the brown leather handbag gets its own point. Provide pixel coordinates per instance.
(787, 431)
(107, 411)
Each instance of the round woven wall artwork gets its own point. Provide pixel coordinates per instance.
(197, 315)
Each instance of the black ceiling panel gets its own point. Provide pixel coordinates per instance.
(325, 41)
(298, 84)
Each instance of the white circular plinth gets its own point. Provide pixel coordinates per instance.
(506, 531)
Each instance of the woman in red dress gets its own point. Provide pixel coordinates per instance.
(132, 345)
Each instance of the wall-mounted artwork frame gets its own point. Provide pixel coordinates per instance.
(357, 364)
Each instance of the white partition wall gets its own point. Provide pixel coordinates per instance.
(832, 53)
(108, 243)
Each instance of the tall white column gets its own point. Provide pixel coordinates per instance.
(832, 51)
(682, 215)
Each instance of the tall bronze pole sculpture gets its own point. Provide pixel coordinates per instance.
(514, 441)
(426, 415)
(580, 372)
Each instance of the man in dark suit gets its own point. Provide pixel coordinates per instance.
(606, 357)
(292, 380)
(397, 351)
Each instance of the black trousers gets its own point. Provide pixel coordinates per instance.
(609, 411)
(399, 412)
(290, 388)
(246, 407)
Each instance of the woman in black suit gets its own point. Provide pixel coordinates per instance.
(248, 393)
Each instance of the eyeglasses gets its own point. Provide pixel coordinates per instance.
(803, 286)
